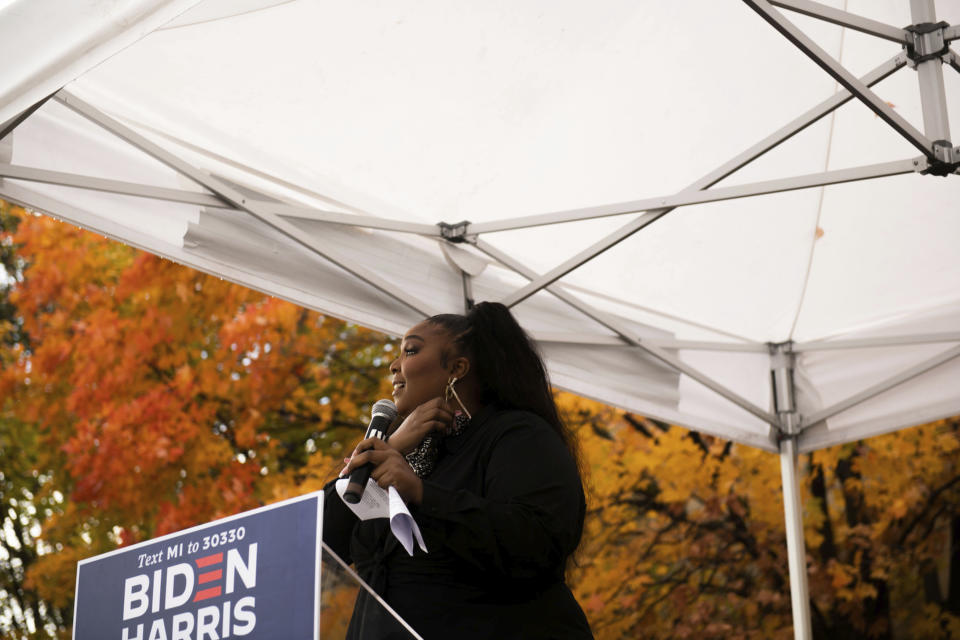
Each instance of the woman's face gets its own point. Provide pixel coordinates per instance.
(418, 372)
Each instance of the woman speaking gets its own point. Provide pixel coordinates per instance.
(489, 472)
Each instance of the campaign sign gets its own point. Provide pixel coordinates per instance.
(252, 575)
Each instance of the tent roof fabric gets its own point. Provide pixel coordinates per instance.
(726, 195)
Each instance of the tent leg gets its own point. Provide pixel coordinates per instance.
(933, 97)
(796, 551)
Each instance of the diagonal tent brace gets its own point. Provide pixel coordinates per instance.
(359, 217)
(691, 193)
(841, 75)
(926, 43)
(627, 336)
(845, 19)
(538, 282)
(238, 200)
(954, 60)
(686, 198)
(739, 161)
(880, 387)
(699, 192)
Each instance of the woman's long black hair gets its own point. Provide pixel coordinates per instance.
(506, 362)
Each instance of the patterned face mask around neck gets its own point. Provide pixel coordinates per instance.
(423, 459)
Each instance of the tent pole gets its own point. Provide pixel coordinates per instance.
(782, 366)
(796, 552)
(933, 97)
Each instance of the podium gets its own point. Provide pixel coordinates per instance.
(261, 574)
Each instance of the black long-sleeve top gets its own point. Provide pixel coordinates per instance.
(501, 512)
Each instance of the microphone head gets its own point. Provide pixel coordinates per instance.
(384, 408)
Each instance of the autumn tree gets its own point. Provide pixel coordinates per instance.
(140, 397)
(686, 538)
(23, 611)
(882, 525)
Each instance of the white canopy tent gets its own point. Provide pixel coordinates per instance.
(746, 230)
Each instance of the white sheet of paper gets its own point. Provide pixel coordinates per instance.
(377, 503)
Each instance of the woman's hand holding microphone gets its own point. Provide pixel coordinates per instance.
(390, 466)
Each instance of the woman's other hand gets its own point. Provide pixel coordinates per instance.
(432, 415)
(390, 468)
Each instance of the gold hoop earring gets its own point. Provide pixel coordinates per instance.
(451, 391)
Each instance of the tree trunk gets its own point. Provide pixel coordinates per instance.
(952, 603)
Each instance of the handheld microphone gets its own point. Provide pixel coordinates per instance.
(382, 415)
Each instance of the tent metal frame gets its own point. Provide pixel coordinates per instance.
(628, 337)
(275, 214)
(736, 163)
(237, 200)
(932, 96)
(866, 343)
(880, 387)
(31, 174)
(845, 19)
(686, 198)
(796, 547)
(786, 425)
(839, 73)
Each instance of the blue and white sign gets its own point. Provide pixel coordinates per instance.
(252, 575)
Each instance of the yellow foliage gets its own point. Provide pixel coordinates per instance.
(685, 527)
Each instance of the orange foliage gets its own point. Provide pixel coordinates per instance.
(163, 397)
